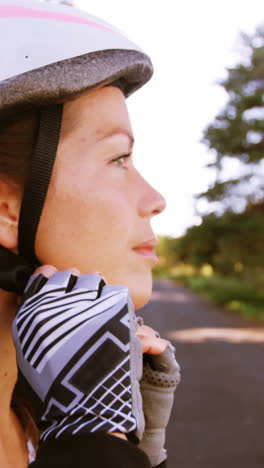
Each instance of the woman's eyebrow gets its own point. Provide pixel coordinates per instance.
(117, 131)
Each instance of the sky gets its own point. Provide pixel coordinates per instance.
(191, 44)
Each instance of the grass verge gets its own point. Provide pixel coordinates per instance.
(233, 293)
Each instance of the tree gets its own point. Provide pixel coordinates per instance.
(231, 236)
(232, 243)
(237, 133)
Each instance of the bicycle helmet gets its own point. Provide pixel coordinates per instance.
(51, 53)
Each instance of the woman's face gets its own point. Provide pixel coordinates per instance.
(98, 207)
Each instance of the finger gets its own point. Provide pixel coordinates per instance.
(74, 271)
(92, 282)
(144, 330)
(49, 273)
(46, 270)
(37, 280)
(97, 273)
(151, 345)
(34, 285)
(64, 279)
(94, 273)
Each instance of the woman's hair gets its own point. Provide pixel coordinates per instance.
(23, 410)
(17, 139)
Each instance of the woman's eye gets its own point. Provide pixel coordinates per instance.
(121, 160)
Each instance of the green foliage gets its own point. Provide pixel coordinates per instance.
(167, 249)
(168, 256)
(233, 245)
(231, 292)
(225, 289)
(233, 242)
(238, 130)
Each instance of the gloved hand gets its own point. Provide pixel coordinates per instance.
(161, 375)
(77, 350)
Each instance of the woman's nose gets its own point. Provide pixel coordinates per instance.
(152, 202)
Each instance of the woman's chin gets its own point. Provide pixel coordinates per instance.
(138, 304)
(141, 295)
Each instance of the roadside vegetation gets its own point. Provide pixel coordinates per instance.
(222, 258)
(236, 294)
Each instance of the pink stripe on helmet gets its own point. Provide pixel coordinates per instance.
(15, 11)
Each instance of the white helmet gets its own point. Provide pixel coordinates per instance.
(49, 54)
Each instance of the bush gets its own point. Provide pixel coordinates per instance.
(228, 291)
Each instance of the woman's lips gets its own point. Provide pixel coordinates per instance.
(147, 249)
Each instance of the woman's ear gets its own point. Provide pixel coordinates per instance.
(10, 201)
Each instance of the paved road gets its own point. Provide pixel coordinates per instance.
(218, 415)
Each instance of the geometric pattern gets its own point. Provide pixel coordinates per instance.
(75, 343)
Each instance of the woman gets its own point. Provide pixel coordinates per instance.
(71, 197)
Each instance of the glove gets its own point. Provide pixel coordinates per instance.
(161, 376)
(79, 356)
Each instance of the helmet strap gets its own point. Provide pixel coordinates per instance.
(38, 180)
(15, 270)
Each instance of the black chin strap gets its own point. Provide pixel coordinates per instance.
(16, 269)
(38, 180)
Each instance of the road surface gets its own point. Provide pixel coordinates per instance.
(218, 415)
